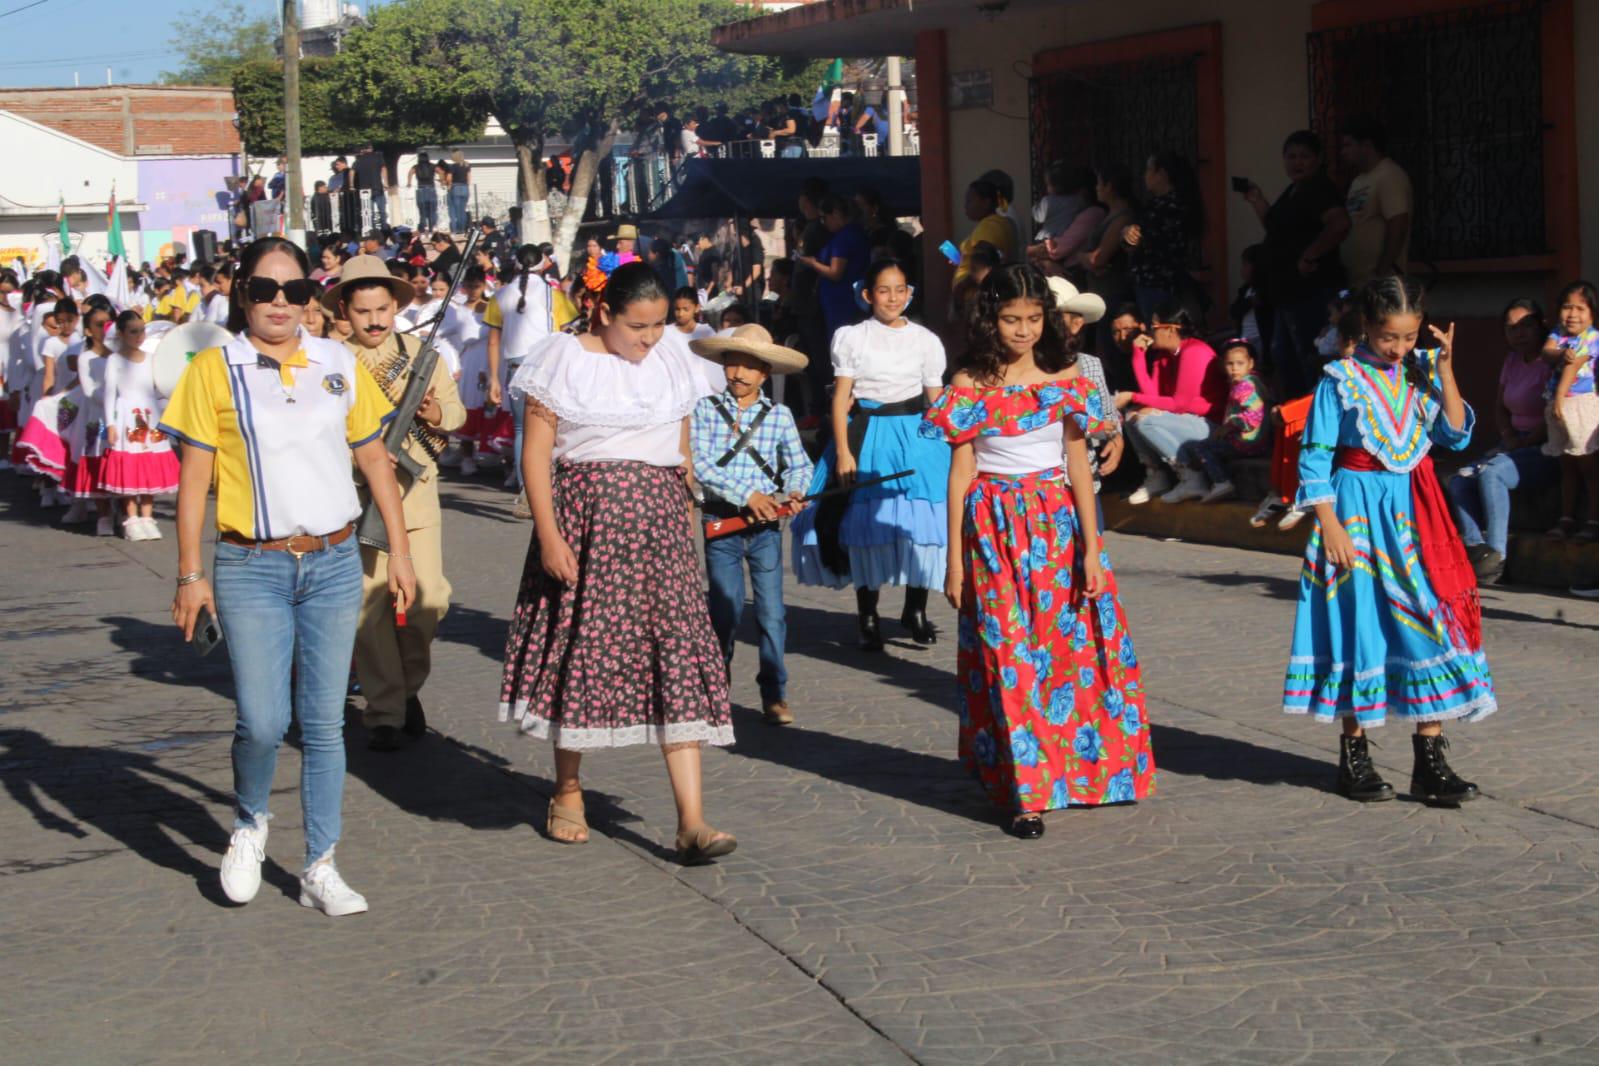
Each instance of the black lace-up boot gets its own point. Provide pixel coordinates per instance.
(1433, 781)
(866, 611)
(915, 617)
(1358, 778)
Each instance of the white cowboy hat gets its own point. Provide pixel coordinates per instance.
(751, 340)
(366, 268)
(1069, 301)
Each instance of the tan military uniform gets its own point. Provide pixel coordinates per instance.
(393, 663)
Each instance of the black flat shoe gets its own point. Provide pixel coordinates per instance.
(416, 722)
(386, 738)
(1027, 827)
(871, 633)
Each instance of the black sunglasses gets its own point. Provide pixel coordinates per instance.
(299, 292)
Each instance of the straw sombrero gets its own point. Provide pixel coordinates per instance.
(367, 268)
(1072, 302)
(751, 340)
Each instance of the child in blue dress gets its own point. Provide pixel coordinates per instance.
(1388, 621)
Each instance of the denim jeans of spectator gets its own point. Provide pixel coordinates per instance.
(1481, 500)
(1207, 456)
(725, 557)
(290, 629)
(427, 208)
(380, 208)
(1158, 435)
(1294, 328)
(460, 195)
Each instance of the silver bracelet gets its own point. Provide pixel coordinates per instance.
(189, 579)
(407, 558)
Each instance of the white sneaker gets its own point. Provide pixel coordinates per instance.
(1155, 484)
(1268, 509)
(133, 529)
(468, 466)
(49, 497)
(1191, 486)
(322, 887)
(1291, 519)
(78, 512)
(151, 530)
(1222, 490)
(241, 866)
(105, 527)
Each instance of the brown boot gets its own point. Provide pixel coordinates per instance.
(776, 712)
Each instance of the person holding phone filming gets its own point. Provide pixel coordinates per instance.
(273, 418)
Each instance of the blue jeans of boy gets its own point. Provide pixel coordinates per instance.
(290, 629)
(725, 558)
(1481, 501)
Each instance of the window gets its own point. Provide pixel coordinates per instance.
(1460, 94)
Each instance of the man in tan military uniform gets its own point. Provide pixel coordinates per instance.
(392, 662)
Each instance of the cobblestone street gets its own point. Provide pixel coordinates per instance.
(874, 911)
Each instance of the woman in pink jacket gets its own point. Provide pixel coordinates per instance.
(1181, 394)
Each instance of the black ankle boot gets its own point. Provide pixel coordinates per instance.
(866, 611)
(915, 617)
(1433, 781)
(1358, 779)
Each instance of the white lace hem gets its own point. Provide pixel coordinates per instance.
(568, 738)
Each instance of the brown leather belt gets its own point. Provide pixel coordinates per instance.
(298, 545)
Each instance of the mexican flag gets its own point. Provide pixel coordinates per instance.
(61, 221)
(834, 75)
(114, 244)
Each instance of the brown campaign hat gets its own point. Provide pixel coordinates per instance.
(367, 268)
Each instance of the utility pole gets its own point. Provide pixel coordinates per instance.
(291, 122)
(896, 108)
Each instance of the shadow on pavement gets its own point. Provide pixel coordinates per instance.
(125, 795)
(1223, 758)
(478, 629)
(832, 637)
(158, 652)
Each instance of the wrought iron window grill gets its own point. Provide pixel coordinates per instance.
(1460, 96)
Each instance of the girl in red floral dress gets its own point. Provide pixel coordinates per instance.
(1052, 704)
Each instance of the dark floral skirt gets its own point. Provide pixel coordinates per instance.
(627, 655)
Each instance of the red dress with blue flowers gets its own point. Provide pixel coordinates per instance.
(1052, 703)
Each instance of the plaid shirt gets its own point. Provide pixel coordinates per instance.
(776, 439)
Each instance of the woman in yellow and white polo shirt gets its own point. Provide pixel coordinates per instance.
(274, 417)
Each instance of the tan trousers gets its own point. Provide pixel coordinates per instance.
(392, 663)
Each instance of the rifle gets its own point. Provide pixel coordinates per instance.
(721, 527)
(370, 529)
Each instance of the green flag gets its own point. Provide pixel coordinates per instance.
(66, 235)
(114, 245)
(834, 75)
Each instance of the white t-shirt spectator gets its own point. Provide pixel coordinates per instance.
(691, 143)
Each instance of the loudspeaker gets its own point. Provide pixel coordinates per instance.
(205, 246)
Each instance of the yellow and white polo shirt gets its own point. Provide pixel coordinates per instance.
(282, 434)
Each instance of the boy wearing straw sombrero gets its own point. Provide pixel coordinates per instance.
(749, 461)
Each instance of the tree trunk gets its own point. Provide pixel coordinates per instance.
(588, 168)
(534, 194)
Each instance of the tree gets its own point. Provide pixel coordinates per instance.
(328, 124)
(651, 50)
(216, 40)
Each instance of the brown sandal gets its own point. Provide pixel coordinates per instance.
(699, 845)
(563, 815)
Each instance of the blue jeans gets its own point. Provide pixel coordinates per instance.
(1158, 436)
(427, 208)
(518, 416)
(380, 208)
(290, 626)
(1483, 499)
(1293, 342)
(1207, 456)
(459, 196)
(724, 563)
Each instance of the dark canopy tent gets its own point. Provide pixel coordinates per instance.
(769, 188)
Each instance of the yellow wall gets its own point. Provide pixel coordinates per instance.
(1265, 97)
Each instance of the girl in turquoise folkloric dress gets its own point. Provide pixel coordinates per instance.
(1388, 619)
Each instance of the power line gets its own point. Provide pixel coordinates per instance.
(24, 7)
(65, 61)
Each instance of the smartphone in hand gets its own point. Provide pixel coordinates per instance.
(1241, 184)
(207, 633)
(952, 253)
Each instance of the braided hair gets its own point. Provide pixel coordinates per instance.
(1385, 297)
(528, 258)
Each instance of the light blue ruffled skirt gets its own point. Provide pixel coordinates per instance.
(895, 533)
